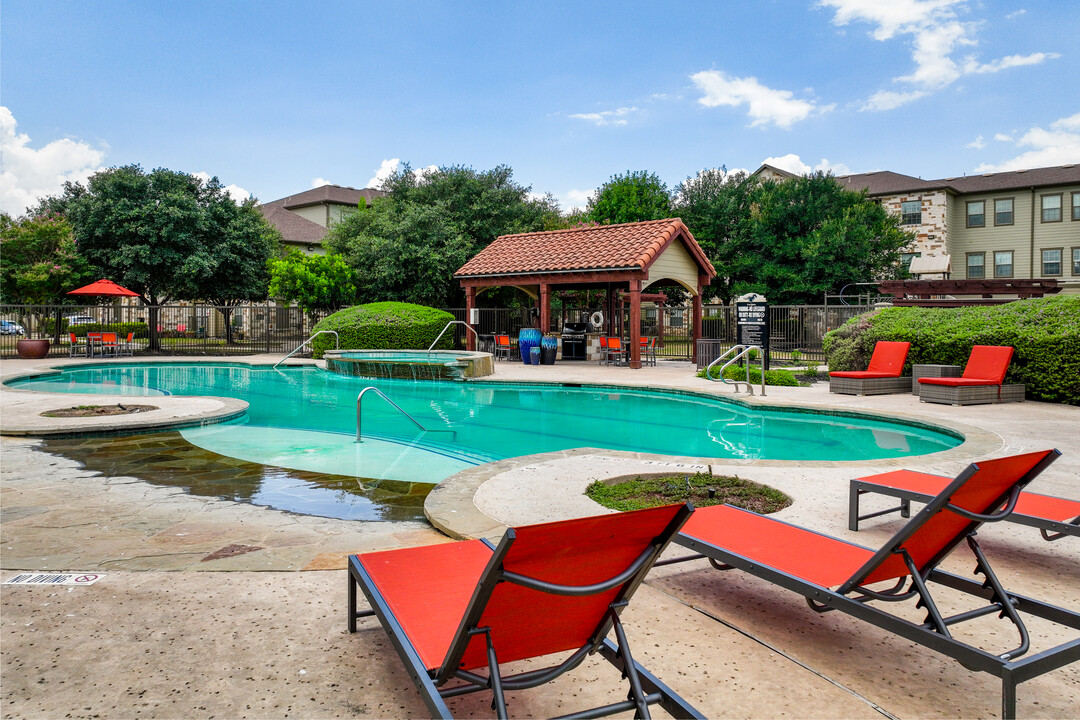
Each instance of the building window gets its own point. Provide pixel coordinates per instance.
(906, 258)
(1003, 211)
(1051, 208)
(1003, 265)
(976, 266)
(1076, 260)
(911, 212)
(976, 214)
(1051, 262)
(1076, 206)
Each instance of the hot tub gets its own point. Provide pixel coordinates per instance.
(414, 364)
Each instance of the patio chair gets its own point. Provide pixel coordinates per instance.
(76, 348)
(503, 349)
(454, 609)
(882, 377)
(836, 575)
(648, 351)
(109, 346)
(981, 383)
(616, 353)
(1054, 517)
(603, 350)
(127, 346)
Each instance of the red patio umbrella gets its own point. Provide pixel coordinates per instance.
(106, 288)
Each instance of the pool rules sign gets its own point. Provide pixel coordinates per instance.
(752, 321)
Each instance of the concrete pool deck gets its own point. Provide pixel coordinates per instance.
(264, 641)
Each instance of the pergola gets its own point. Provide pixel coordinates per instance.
(628, 257)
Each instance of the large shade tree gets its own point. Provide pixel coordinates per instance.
(313, 282)
(168, 235)
(39, 261)
(791, 240)
(407, 245)
(633, 197)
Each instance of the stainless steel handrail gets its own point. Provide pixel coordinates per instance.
(454, 322)
(744, 350)
(381, 394)
(337, 345)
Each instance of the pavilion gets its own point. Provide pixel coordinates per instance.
(628, 257)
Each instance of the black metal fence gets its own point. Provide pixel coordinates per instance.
(796, 331)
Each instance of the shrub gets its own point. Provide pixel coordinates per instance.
(383, 326)
(1045, 333)
(772, 377)
(140, 329)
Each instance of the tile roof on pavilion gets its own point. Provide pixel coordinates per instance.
(629, 246)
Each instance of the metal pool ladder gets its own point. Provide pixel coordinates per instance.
(337, 345)
(743, 351)
(381, 394)
(454, 322)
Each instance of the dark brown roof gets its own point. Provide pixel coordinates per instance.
(335, 194)
(630, 246)
(890, 183)
(294, 228)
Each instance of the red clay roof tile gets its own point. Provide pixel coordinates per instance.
(604, 247)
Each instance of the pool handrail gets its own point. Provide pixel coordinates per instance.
(337, 345)
(454, 322)
(381, 394)
(743, 351)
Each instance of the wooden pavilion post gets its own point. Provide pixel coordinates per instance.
(635, 325)
(697, 323)
(470, 303)
(545, 308)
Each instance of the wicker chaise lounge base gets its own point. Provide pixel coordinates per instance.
(869, 386)
(970, 394)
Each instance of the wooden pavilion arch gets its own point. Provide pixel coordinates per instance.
(627, 257)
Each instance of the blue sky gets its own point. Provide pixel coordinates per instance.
(274, 97)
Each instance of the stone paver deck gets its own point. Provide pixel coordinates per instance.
(264, 641)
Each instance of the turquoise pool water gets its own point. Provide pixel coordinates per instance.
(305, 419)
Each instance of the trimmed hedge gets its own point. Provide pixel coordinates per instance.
(383, 326)
(1045, 333)
(141, 330)
(783, 378)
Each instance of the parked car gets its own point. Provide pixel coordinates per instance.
(11, 328)
(79, 320)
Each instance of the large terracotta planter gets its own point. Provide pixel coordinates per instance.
(32, 349)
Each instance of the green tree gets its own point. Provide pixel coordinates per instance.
(406, 246)
(314, 282)
(791, 240)
(632, 197)
(39, 262)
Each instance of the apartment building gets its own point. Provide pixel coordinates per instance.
(304, 218)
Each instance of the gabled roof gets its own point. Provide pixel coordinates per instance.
(630, 246)
(294, 228)
(329, 194)
(885, 182)
(890, 183)
(767, 169)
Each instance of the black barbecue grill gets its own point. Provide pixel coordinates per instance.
(574, 342)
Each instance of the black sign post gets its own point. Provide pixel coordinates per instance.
(752, 319)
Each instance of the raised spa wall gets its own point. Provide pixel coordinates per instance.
(464, 366)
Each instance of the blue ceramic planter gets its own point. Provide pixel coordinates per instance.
(549, 348)
(528, 338)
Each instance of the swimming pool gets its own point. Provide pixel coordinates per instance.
(305, 419)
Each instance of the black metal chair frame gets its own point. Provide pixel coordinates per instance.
(645, 689)
(852, 598)
(1050, 529)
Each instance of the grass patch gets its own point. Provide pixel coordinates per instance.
(702, 489)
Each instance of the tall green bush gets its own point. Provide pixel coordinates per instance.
(1045, 333)
(383, 326)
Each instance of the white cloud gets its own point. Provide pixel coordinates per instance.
(1014, 15)
(389, 166)
(576, 199)
(1001, 137)
(794, 164)
(978, 143)
(764, 104)
(1060, 145)
(936, 32)
(319, 182)
(28, 175)
(237, 193)
(607, 117)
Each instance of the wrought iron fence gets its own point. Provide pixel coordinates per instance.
(160, 330)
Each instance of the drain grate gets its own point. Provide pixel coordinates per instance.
(54, 579)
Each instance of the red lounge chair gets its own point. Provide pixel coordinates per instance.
(453, 609)
(502, 347)
(603, 350)
(880, 378)
(1054, 517)
(616, 353)
(833, 574)
(981, 382)
(76, 348)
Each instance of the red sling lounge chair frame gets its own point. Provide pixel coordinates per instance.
(453, 609)
(980, 384)
(881, 377)
(1054, 517)
(833, 574)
